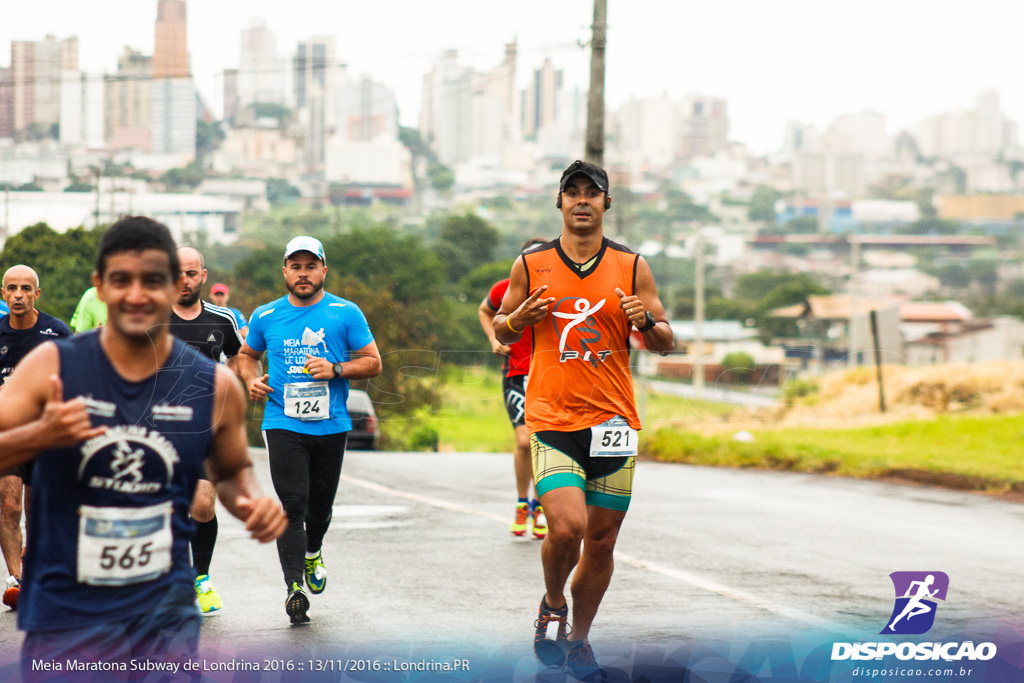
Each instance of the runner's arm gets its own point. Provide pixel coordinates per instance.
(230, 468)
(33, 414)
(519, 308)
(486, 315)
(250, 370)
(365, 363)
(659, 338)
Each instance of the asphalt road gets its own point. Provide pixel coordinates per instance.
(421, 564)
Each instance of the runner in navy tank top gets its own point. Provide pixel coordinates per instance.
(110, 579)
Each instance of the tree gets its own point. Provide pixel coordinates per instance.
(802, 225)
(64, 262)
(738, 367)
(756, 287)
(271, 110)
(279, 191)
(465, 242)
(29, 187)
(79, 187)
(187, 177)
(762, 204)
(441, 177)
(209, 136)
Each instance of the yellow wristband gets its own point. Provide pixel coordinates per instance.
(508, 321)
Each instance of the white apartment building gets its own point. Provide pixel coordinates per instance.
(174, 113)
(81, 109)
(261, 72)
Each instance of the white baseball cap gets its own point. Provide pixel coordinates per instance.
(305, 243)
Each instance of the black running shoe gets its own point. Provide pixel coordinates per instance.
(297, 605)
(551, 652)
(582, 665)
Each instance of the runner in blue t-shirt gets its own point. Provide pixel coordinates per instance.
(315, 342)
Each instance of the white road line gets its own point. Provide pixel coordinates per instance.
(671, 572)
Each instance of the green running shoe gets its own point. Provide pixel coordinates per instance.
(316, 574)
(297, 605)
(206, 594)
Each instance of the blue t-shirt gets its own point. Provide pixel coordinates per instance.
(239, 317)
(3, 308)
(332, 328)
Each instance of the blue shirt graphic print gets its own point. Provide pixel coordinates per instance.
(332, 328)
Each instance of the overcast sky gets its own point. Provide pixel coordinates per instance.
(773, 60)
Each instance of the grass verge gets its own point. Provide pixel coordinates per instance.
(979, 452)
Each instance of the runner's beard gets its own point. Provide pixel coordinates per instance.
(189, 299)
(303, 297)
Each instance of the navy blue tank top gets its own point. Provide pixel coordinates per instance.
(110, 524)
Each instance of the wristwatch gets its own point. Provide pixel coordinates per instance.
(651, 322)
(338, 368)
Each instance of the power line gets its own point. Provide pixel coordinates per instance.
(286, 65)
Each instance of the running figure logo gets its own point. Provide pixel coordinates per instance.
(311, 338)
(914, 611)
(127, 462)
(589, 334)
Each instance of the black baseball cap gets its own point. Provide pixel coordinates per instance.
(592, 171)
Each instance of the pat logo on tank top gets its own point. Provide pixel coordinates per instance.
(128, 459)
(573, 318)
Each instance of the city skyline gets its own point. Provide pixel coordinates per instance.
(774, 62)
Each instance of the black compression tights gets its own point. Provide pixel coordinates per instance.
(305, 470)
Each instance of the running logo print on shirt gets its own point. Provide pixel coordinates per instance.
(128, 459)
(914, 610)
(586, 332)
(311, 338)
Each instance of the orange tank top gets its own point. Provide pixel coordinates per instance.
(579, 371)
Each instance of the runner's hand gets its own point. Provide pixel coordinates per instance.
(499, 349)
(258, 387)
(632, 307)
(264, 518)
(531, 311)
(319, 368)
(66, 423)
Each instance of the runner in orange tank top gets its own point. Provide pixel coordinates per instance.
(582, 294)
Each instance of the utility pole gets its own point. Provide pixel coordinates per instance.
(96, 217)
(595, 102)
(7, 214)
(698, 322)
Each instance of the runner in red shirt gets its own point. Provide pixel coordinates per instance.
(514, 371)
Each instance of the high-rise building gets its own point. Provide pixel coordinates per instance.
(446, 115)
(81, 109)
(129, 103)
(174, 116)
(703, 127)
(6, 103)
(170, 52)
(983, 131)
(367, 110)
(316, 74)
(36, 68)
(260, 71)
(541, 98)
(646, 133)
(230, 95)
(172, 93)
(862, 133)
